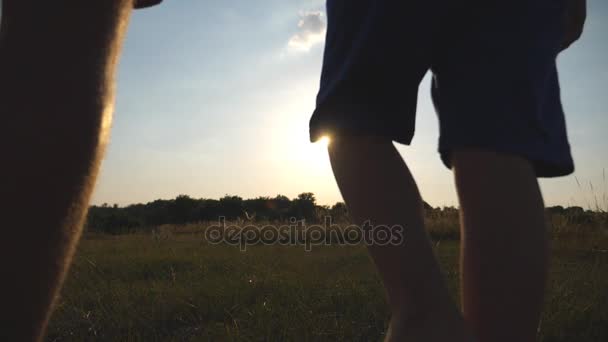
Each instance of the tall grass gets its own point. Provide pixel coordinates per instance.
(169, 284)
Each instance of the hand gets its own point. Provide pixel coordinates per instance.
(574, 21)
(145, 3)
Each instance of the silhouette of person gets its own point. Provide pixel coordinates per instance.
(496, 93)
(57, 65)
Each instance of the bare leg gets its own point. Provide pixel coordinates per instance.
(377, 185)
(504, 246)
(57, 62)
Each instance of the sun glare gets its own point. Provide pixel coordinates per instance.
(325, 140)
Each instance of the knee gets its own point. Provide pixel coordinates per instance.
(494, 180)
(482, 161)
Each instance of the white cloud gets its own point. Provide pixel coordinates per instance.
(311, 31)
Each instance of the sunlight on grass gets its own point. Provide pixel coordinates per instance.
(168, 284)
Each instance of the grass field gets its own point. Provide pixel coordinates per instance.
(172, 285)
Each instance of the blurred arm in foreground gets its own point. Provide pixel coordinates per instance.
(57, 64)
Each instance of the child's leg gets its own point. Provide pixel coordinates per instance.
(377, 185)
(504, 246)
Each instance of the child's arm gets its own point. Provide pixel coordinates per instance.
(574, 21)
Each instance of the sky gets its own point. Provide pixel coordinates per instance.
(214, 98)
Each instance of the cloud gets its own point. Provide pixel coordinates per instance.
(311, 31)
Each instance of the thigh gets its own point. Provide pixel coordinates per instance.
(496, 84)
(375, 56)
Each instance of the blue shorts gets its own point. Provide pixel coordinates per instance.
(495, 83)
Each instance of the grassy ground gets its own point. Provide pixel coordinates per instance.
(176, 287)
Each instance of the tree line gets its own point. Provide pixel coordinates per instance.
(183, 209)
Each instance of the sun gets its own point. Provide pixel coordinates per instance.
(324, 140)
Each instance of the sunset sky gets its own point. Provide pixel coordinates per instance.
(214, 98)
